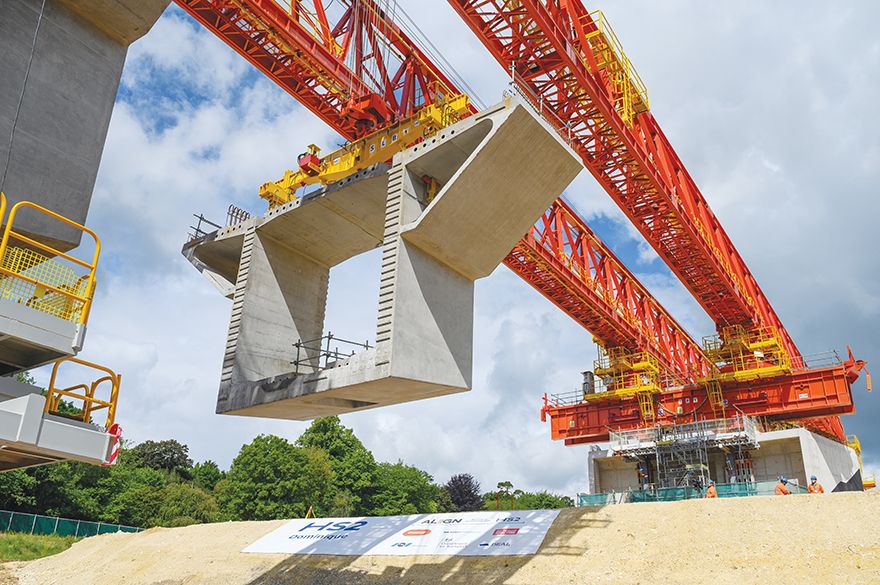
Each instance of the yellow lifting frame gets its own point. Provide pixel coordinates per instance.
(627, 374)
(868, 481)
(378, 147)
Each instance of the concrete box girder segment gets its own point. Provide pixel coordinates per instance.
(498, 171)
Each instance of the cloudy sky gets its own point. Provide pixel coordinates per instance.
(772, 107)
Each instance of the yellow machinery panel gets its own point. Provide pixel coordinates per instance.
(626, 374)
(741, 355)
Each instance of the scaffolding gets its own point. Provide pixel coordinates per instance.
(682, 456)
(677, 455)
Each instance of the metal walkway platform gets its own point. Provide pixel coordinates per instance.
(31, 436)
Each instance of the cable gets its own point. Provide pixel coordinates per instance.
(432, 51)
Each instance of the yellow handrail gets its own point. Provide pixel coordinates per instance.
(2, 206)
(15, 261)
(87, 396)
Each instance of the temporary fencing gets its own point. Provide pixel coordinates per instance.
(47, 525)
(674, 494)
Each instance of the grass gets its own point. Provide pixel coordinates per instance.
(27, 547)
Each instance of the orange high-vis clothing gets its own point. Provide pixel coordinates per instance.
(711, 492)
(815, 488)
(781, 491)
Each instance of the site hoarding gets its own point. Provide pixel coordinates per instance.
(518, 532)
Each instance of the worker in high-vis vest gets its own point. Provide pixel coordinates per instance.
(711, 491)
(781, 490)
(815, 487)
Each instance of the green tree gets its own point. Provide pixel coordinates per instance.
(271, 478)
(444, 502)
(206, 475)
(58, 491)
(169, 455)
(183, 504)
(404, 489)
(543, 501)
(136, 506)
(464, 493)
(25, 378)
(17, 490)
(353, 464)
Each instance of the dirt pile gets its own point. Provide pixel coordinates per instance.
(797, 539)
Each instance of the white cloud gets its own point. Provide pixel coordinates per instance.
(776, 128)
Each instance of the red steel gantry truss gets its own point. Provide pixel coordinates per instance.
(359, 72)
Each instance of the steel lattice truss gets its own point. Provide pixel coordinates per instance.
(542, 43)
(358, 72)
(567, 263)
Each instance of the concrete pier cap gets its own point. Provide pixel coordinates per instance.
(60, 66)
(497, 170)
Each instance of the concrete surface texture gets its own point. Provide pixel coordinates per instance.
(60, 65)
(740, 541)
(497, 171)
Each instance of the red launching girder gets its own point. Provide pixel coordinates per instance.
(545, 44)
(820, 392)
(305, 48)
(568, 264)
(307, 54)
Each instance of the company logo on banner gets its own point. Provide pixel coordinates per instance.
(468, 534)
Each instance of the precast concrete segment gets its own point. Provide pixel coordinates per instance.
(498, 171)
(60, 65)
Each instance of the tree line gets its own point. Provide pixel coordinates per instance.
(326, 470)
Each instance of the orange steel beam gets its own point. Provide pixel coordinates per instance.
(544, 44)
(820, 392)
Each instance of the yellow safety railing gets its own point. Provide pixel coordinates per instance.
(741, 354)
(41, 277)
(626, 374)
(630, 93)
(84, 394)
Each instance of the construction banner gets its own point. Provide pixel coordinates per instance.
(465, 534)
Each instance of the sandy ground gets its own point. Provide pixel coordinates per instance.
(796, 539)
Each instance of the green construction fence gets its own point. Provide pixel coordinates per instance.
(47, 525)
(674, 494)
